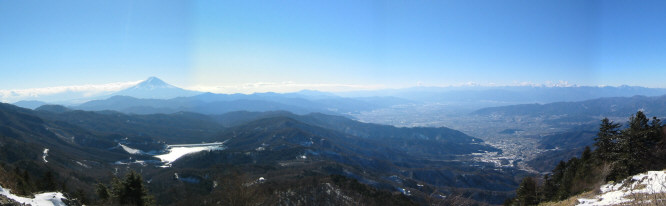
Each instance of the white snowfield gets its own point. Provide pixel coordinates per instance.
(42, 199)
(131, 150)
(45, 154)
(177, 151)
(645, 188)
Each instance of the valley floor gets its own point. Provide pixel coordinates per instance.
(518, 147)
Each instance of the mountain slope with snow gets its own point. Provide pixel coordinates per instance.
(42, 199)
(642, 189)
(155, 88)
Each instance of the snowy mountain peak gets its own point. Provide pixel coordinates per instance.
(153, 82)
(155, 88)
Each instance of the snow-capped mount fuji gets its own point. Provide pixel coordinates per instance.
(153, 82)
(155, 88)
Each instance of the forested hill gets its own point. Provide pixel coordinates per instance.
(618, 154)
(92, 157)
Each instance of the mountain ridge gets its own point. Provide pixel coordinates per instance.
(609, 106)
(154, 88)
(470, 97)
(276, 141)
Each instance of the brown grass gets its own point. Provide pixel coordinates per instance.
(637, 199)
(572, 200)
(644, 199)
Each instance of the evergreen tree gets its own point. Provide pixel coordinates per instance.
(587, 154)
(102, 192)
(134, 190)
(130, 191)
(585, 175)
(117, 190)
(634, 144)
(549, 188)
(553, 182)
(48, 182)
(80, 195)
(655, 135)
(22, 186)
(528, 193)
(564, 191)
(606, 141)
(26, 176)
(658, 159)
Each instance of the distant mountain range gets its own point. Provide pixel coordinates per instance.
(146, 93)
(209, 103)
(151, 88)
(155, 96)
(487, 96)
(313, 101)
(601, 107)
(30, 104)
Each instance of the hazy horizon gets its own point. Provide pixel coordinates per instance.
(93, 90)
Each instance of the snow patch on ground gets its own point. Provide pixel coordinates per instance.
(45, 154)
(82, 165)
(405, 191)
(652, 182)
(131, 150)
(178, 151)
(332, 190)
(42, 199)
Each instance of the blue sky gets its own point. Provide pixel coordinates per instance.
(220, 45)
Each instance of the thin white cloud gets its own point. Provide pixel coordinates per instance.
(87, 92)
(73, 91)
(282, 87)
(560, 83)
(289, 86)
(512, 84)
